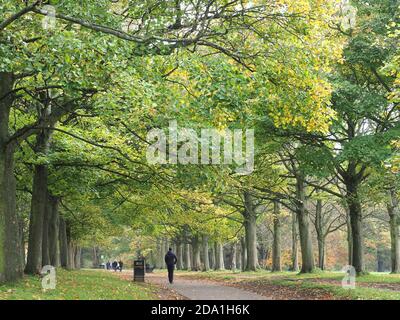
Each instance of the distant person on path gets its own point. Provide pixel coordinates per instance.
(115, 265)
(121, 265)
(108, 265)
(170, 260)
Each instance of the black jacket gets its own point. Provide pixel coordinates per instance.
(170, 258)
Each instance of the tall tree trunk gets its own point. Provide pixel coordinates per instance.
(394, 232)
(173, 247)
(160, 255)
(53, 234)
(380, 258)
(165, 249)
(306, 247)
(77, 257)
(10, 242)
(250, 227)
(354, 205)
(45, 235)
(196, 254)
(95, 256)
(320, 235)
(64, 256)
(244, 253)
(295, 251)
(71, 249)
(276, 246)
(321, 253)
(188, 264)
(71, 255)
(349, 238)
(233, 257)
(205, 254)
(179, 249)
(38, 207)
(212, 257)
(238, 256)
(219, 256)
(22, 242)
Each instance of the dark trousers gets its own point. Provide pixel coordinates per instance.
(171, 273)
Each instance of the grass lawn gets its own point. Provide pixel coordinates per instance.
(78, 285)
(372, 286)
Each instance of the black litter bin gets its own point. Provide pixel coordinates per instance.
(138, 270)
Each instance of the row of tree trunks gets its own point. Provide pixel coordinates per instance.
(10, 242)
(199, 256)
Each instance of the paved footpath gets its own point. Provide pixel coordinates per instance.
(203, 290)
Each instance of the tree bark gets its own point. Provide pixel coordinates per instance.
(206, 266)
(77, 257)
(53, 234)
(394, 232)
(295, 251)
(38, 207)
(159, 263)
(349, 238)
(71, 255)
(10, 242)
(212, 257)
(251, 232)
(64, 256)
(165, 249)
(188, 264)
(320, 235)
(306, 246)
(95, 257)
(219, 256)
(244, 253)
(354, 205)
(45, 235)
(276, 246)
(179, 256)
(22, 242)
(71, 249)
(196, 254)
(238, 256)
(233, 257)
(321, 253)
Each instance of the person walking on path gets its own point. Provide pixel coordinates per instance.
(121, 265)
(115, 265)
(170, 260)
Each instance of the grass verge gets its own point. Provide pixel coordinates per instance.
(78, 285)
